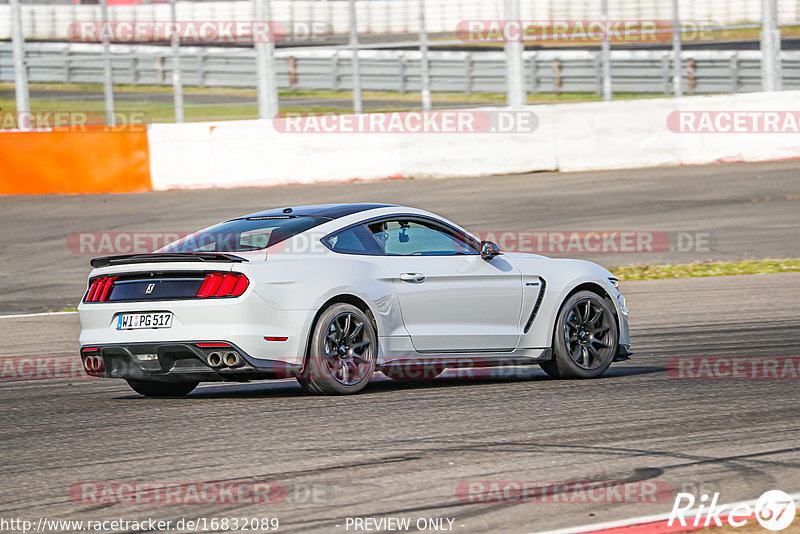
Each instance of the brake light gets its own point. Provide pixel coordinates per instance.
(100, 289)
(105, 291)
(223, 285)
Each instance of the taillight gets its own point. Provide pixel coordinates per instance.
(223, 285)
(100, 289)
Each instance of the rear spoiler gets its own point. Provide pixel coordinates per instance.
(124, 259)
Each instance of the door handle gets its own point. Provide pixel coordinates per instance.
(412, 278)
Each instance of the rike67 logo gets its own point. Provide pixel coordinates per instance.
(774, 510)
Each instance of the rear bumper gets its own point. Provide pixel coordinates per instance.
(243, 321)
(179, 361)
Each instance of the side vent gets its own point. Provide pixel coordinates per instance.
(536, 306)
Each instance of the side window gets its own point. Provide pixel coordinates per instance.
(355, 240)
(410, 237)
(254, 239)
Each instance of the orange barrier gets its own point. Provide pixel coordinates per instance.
(35, 163)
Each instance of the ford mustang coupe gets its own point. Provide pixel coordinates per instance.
(331, 294)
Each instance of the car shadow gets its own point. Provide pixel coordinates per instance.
(452, 378)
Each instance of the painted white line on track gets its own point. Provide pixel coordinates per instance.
(643, 520)
(43, 314)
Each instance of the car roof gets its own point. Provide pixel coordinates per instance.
(330, 211)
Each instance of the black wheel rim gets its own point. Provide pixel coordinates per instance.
(348, 349)
(588, 334)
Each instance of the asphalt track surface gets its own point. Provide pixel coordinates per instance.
(400, 450)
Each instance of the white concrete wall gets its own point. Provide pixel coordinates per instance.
(253, 153)
(570, 137)
(634, 133)
(397, 16)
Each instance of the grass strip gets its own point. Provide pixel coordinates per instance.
(700, 269)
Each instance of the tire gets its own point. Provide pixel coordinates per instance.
(585, 338)
(161, 389)
(418, 373)
(342, 352)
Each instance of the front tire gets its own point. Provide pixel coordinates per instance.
(342, 352)
(161, 389)
(585, 338)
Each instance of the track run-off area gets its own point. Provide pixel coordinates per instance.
(433, 450)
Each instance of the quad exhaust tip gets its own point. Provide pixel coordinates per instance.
(232, 359)
(94, 365)
(214, 359)
(228, 359)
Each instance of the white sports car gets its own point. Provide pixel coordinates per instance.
(331, 294)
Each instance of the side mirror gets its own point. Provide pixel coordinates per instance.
(489, 250)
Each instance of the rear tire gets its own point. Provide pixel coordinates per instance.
(162, 389)
(342, 352)
(585, 338)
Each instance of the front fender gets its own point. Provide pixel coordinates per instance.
(562, 277)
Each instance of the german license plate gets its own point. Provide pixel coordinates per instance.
(136, 321)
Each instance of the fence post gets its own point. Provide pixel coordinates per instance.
(135, 63)
(201, 69)
(177, 82)
(20, 69)
(65, 59)
(605, 51)
(354, 61)
(268, 105)
(557, 75)
(401, 72)
(534, 73)
(424, 64)
(515, 88)
(468, 73)
(108, 76)
(335, 71)
(677, 64)
(770, 47)
(598, 73)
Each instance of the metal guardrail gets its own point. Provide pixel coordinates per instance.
(563, 71)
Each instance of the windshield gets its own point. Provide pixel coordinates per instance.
(241, 235)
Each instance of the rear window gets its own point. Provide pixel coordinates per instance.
(241, 235)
